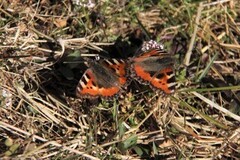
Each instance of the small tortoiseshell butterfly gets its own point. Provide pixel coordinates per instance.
(108, 78)
(154, 67)
(105, 78)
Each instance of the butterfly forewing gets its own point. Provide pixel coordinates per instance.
(154, 67)
(105, 78)
(119, 67)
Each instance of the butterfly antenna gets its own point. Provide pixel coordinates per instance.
(143, 28)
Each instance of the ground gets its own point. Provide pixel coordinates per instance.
(42, 45)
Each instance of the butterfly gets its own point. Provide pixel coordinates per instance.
(155, 68)
(104, 78)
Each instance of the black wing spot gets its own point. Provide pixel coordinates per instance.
(84, 80)
(80, 87)
(152, 73)
(160, 76)
(169, 73)
(170, 80)
(171, 88)
(94, 84)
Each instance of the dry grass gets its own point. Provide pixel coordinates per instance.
(41, 44)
